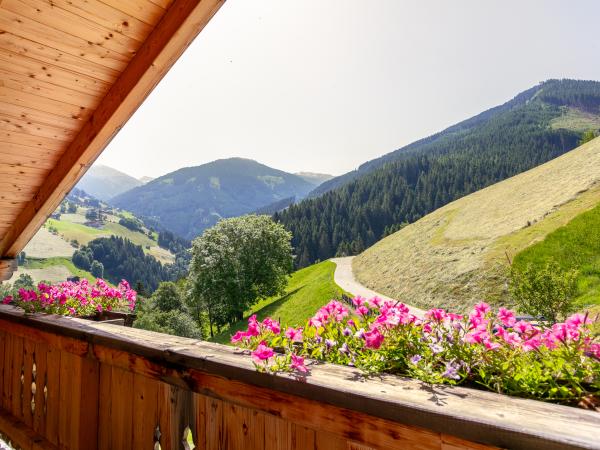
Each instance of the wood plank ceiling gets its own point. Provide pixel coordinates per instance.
(72, 72)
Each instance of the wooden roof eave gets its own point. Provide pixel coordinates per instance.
(181, 23)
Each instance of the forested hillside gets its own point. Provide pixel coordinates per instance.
(460, 254)
(122, 259)
(192, 199)
(405, 185)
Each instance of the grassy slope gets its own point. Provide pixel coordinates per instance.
(54, 269)
(576, 120)
(456, 256)
(308, 289)
(573, 246)
(49, 255)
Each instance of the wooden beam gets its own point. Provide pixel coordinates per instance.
(180, 25)
(7, 267)
(21, 435)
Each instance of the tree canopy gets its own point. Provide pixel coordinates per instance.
(236, 263)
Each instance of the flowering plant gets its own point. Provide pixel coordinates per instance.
(492, 350)
(74, 298)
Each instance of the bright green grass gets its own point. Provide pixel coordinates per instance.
(136, 237)
(69, 230)
(33, 263)
(84, 234)
(308, 289)
(575, 245)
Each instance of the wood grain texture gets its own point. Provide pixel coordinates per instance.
(145, 398)
(7, 267)
(181, 23)
(22, 436)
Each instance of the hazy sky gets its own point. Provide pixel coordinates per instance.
(314, 85)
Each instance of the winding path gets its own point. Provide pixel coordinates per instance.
(344, 278)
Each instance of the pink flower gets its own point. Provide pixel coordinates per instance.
(482, 308)
(478, 315)
(436, 314)
(358, 301)
(271, 325)
(593, 350)
(577, 320)
(477, 336)
(507, 317)
(314, 322)
(531, 344)
(454, 317)
(253, 327)
(376, 301)
(362, 310)
(298, 364)
(373, 339)
(491, 345)
(262, 353)
(512, 339)
(293, 334)
(522, 326)
(8, 299)
(238, 337)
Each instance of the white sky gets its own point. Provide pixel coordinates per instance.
(313, 85)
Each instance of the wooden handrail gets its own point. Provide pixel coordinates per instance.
(333, 401)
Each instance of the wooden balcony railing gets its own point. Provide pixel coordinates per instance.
(74, 384)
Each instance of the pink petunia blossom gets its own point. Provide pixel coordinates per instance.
(262, 353)
(362, 310)
(298, 364)
(294, 334)
(373, 339)
(238, 337)
(507, 317)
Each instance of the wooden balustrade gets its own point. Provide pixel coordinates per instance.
(74, 384)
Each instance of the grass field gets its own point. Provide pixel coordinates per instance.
(457, 255)
(70, 227)
(573, 246)
(78, 231)
(55, 270)
(576, 120)
(308, 289)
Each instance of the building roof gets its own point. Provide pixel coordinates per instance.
(71, 74)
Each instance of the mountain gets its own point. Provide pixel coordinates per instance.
(316, 179)
(580, 97)
(145, 179)
(459, 254)
(104, 182)
(192, 199)
(364, 206)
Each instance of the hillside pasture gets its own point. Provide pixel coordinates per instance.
(308, 289)
(576, 120)
(54, 270)
(575, 245)
(458, 255)
(45, 245)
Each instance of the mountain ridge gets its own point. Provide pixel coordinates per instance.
(104, 182)
(191, 199)
(536, 126)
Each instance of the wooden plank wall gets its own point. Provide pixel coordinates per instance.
(58, 392)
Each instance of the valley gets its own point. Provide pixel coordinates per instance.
(436, 223)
